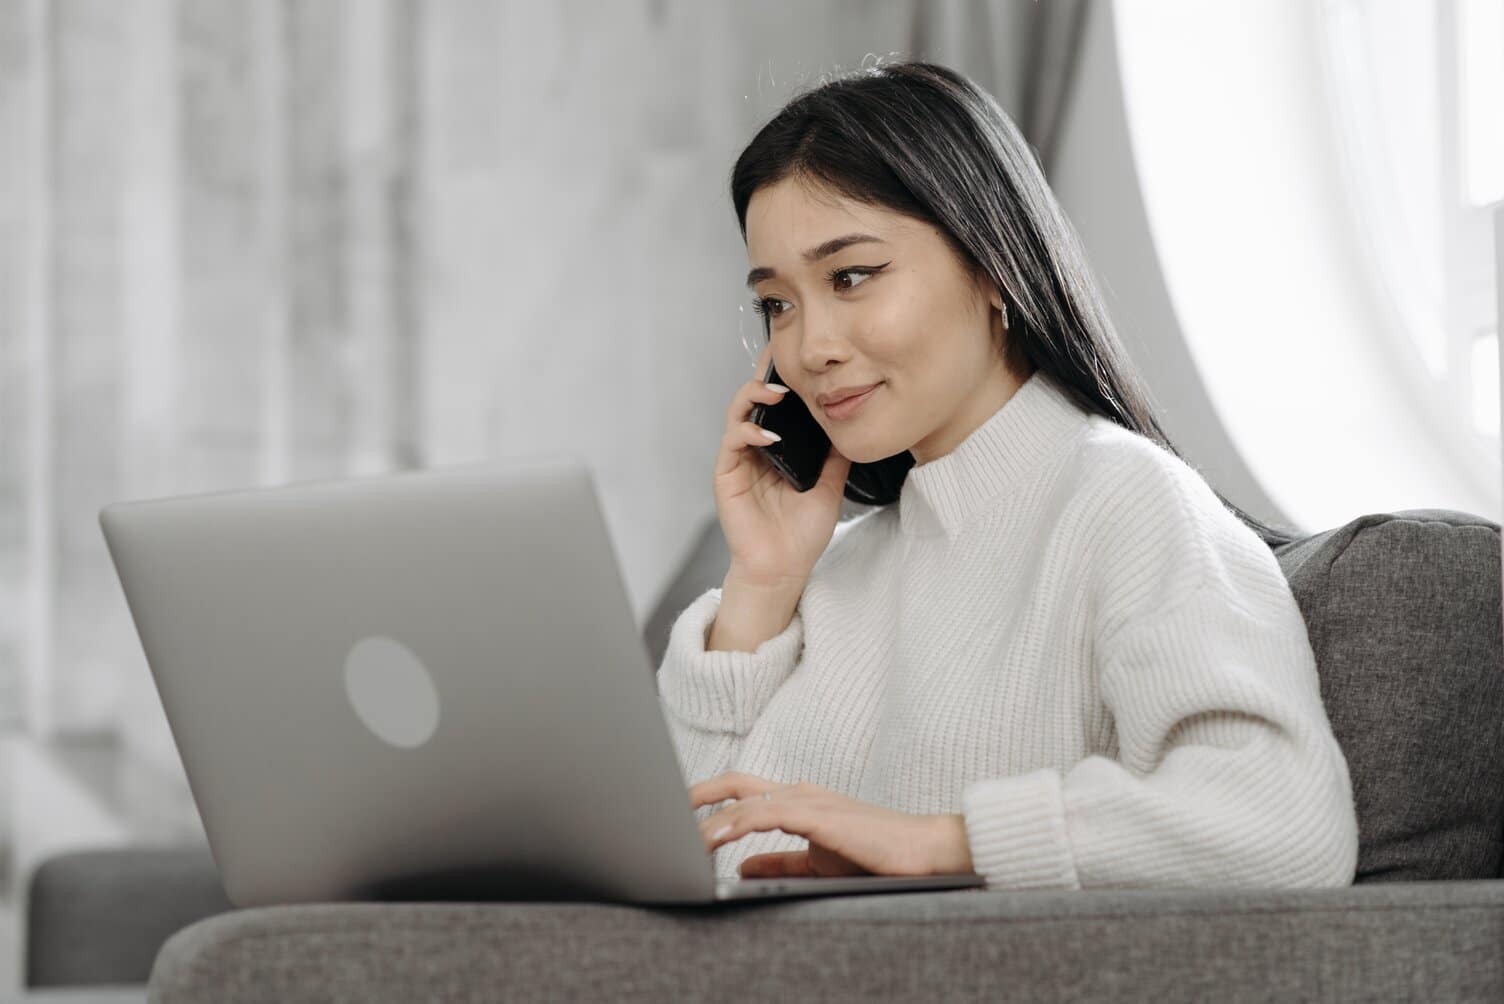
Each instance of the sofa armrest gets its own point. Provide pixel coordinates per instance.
(100, 916)
(1422, 940)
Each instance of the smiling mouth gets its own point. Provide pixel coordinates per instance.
(850, 405)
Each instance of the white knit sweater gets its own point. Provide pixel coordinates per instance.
(1061, 633)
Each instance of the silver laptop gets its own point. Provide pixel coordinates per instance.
(424, 685)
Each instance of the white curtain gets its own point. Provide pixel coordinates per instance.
(208, 282)
(246, 242)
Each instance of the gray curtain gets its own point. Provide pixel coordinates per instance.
(1024, 52)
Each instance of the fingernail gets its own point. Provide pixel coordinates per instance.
(718, 834)
(772, 436)
(780, 388)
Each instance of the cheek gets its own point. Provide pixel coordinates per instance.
(910, 363)
(891, 354)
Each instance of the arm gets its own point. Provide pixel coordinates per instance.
(1228, 772)
(711, 697)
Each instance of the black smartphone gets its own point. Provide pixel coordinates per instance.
(800, 455)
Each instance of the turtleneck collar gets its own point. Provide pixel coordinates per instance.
(1036, 423)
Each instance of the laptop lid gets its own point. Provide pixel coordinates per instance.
(426, 684)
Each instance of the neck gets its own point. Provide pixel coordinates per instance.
(1030, 432)
(980, 406)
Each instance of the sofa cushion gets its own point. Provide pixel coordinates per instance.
(1386, 941)
(1403, 613)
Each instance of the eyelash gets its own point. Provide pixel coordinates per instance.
(760, 304)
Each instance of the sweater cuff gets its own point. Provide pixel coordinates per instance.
(1017, 831)
(723, 691)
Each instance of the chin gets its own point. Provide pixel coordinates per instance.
(864, 453)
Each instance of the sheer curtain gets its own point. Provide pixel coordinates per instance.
(251, 243)
(209, 282)
(246, 243)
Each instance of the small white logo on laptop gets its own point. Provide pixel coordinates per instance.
(392, 691)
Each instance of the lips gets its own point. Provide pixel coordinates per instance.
(846, 408)
(846, 394)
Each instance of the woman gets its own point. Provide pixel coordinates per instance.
(1058, 659)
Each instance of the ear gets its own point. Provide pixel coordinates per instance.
(995, 300)
(994, 295)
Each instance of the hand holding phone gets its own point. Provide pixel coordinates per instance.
(775, 529)
(800, 454)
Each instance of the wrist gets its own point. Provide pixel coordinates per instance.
(952, 848)
(750, 614)
(777, 587)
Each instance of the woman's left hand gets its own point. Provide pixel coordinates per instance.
(846, 837)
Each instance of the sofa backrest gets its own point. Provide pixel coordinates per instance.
(1403, 613)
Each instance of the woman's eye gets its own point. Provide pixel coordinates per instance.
(848, 273)
(764, 305)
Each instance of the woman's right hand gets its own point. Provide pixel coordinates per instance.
(775, 532)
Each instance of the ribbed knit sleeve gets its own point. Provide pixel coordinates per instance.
(711, 699)
(1227, 773)
(723, 691)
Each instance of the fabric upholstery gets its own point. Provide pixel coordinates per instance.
(1384, 941)
(1403, 611)
(98, 917)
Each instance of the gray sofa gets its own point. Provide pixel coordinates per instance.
(1404, 614)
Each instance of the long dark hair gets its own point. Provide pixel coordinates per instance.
(923, 140)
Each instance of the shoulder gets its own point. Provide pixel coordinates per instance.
(1139, 486)
(1157, 534)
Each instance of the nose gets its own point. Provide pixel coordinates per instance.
(824, 343)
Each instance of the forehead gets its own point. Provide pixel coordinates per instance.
(785, 218)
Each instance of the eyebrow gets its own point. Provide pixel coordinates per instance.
(814, 254)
